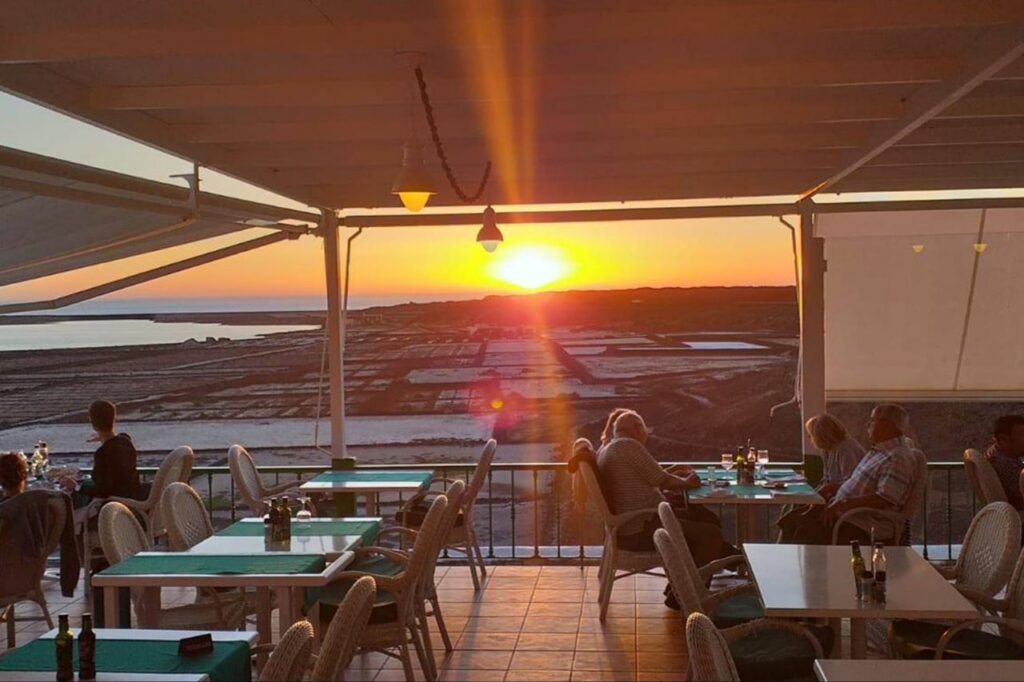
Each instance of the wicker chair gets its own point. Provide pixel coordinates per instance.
(289, 658)
(177, 466)
(394, 622)
(22, 576)
(428, 586)
(987, 558)
(339, 645)
(896, 521)
(188, 523)
(121, 537)
(983, 477)
(462, 537)
(761, 649)
(728, 607)
(710, 659)
(613, 558)
(250, 485)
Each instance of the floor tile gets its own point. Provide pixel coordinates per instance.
(514, 583)
(494, 625)
(516, 571)
(661, 642)
(536, 676)
(540, 660)
(471, 676)
(546, 641)
(626, 625)
(550, 624)
(570, 596)
(593, 610)
(478, 660)
(452, 595)
(523, 596)
(605, 641)
(656, 662)
(660, 677)
(603, 676)
(559, 609)
(498, 609)
(488, 641)
(605, 661)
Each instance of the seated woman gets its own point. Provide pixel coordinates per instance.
(13, 474)
(634, 480)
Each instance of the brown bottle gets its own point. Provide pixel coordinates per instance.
(65, 644)
(87, 650)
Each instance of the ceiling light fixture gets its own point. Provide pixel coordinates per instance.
(413, 186)
(979, 247)
(489, 235)
(918, 248)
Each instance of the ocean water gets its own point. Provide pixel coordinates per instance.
(102, 333)
(146, 306)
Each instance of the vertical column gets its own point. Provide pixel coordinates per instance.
(812, 320)
(335, 335)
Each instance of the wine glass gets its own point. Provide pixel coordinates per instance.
(711, 474)
(304, 515)
(727, 462)
(762, 462)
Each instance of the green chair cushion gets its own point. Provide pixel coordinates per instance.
(918, 639)
(384, 608)
(738, 610)
(778, 654)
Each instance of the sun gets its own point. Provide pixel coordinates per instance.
(531, 267)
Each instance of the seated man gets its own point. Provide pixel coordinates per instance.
(115, 472)
(1007, 455)
(882, 480)
(635, 480)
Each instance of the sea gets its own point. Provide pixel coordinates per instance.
(139, 331)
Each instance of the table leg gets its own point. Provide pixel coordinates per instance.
(742, 524)
(836, 625)
(110, 604)
(371, 504)
(285, 609)
(150, 617)
(263, 628)
(858, 638)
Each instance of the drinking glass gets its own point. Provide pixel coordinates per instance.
(711, 474)
(303, 515)
(762, 462)
(727, 461)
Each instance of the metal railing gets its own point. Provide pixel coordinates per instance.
(525, 511)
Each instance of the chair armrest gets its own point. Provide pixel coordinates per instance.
(141, 506)
(762, 624)
(709, 570)
(715, 599)
(393, 555)
(385, 583)
(278, 488)
(893, 518)
(1009, 623)
(619, 520)
(398, 530)
(983, 601)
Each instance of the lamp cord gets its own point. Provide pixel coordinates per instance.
(440, 148)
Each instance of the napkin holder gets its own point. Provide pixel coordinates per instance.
(199, 645)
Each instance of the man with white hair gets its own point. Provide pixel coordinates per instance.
(882, 480)
(634, 480)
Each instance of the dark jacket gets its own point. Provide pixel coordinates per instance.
(115, 472)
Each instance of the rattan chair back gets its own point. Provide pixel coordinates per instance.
(176, 467)
(290, 657)
(476, 483)
(595, 494)
(121, 534)
(671, 524)
(710, 659)
(983, 477)
(342, 637)
(188, 522)
(674, 556)
(247, 479)
(990, 549)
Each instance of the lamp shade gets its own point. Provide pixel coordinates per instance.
(414, 186)
(489, 235)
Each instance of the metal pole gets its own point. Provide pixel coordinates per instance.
(335, 335)
(812, 321)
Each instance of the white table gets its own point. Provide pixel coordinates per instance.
(933, 671)
(365, 483)
(808, 581)
(287, 589)
(746, 497)
(331, 546)
(149, 635)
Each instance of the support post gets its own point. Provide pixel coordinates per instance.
(335, 335)
(812, 321)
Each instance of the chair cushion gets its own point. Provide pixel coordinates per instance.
(384, 608)
(778, 654)
(413, 517)
(918, 639)
(738, 610)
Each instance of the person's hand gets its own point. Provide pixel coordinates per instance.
(68, 484)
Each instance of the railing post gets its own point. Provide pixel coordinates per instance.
(490, 514)
(512, 507)
(536, 516)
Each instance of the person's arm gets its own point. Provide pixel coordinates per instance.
(681, 483)
(873, 501)
(828, 490)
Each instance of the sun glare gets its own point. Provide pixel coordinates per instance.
(531, 267)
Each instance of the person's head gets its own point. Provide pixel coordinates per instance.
(609, 426)
(1009, 434)
(630, 424)
(13, 473)
(888, 420)
(102, 415)
(826, 431)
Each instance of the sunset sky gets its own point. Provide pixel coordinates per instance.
(417, 263)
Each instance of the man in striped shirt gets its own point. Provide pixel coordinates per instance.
(883, 480)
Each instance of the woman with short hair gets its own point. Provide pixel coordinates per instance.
(840, 453)
(13, 474)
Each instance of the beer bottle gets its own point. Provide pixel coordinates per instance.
(275, 520)
(87, 650)
(856, 564)
(286, 519)
(65, 644)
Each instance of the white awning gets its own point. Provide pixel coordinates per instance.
(913, 309)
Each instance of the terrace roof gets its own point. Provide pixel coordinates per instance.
(577, 101)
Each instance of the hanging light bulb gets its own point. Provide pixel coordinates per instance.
(489, 235)
(414, 186)
(980, 247)
(918, 248)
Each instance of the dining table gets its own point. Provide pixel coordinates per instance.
(749, 498)
(146, 654)
(368, 483)
(816, 581)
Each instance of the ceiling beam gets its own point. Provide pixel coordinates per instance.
(996, 49)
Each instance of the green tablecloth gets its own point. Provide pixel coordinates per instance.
(229, 661)
(371, 477)
(735, 490)
(172, 563)
(367, 529)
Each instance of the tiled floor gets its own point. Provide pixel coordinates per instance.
(528, 623)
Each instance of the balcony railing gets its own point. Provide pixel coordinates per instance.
(524, 512)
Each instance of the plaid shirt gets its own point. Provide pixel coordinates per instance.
(887, 470)
(1008, 468)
